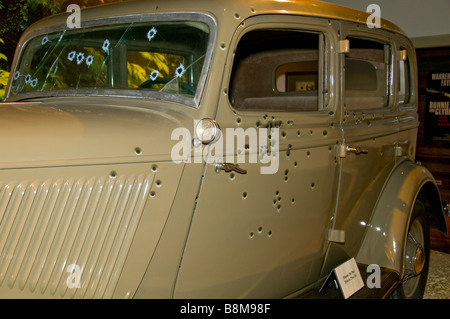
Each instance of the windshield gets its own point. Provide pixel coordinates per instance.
(162, 59)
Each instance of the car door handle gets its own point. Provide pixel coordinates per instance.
(228, 167)
(345, 149)
(357, 150)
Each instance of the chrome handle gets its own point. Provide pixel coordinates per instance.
(344, 149)
(228, 167)
(357, 150)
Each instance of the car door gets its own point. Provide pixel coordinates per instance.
(370, 129)
(260, 230)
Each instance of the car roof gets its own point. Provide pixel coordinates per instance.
(221, 10)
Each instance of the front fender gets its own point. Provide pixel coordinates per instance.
(385, 237)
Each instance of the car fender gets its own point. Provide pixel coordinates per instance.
(385, 237)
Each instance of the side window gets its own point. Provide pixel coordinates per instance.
(404, 85)
(278, 70)
(367, 74)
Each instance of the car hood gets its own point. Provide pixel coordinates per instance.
(67, 133)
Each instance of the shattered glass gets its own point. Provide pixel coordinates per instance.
(148, 57)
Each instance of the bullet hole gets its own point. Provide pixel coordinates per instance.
(138, 151)
(151, 34)
(179, 71)
(154, 168)
(277, 200)
(152, 194)
(244, 195)
(154, 75)
(158, 183)
(113, 174)
(269, 233)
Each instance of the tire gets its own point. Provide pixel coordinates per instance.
(415, 273)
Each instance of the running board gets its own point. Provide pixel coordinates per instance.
(389, 280)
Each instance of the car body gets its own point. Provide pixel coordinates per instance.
(212, 149)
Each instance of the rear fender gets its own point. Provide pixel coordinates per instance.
(384, 241)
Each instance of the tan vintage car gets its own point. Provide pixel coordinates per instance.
(213, 149)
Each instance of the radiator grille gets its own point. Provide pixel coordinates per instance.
(47, 226)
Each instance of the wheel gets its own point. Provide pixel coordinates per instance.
(417, 256)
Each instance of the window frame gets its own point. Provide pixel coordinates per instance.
(327, 102)
(361, 30)
(193, 102)
(402, 43)
(388, 76)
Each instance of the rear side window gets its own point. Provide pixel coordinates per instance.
(404, 70)
(278, 70)
(367, 74)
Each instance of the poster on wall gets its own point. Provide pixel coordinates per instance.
(437, 117)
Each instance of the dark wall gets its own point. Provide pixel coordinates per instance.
(432, 152)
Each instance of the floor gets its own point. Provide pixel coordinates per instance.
(438, 284)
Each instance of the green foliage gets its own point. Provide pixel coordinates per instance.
(18, 15)
(4, 75)
(141, 64)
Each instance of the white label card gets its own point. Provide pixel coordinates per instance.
(349, 278)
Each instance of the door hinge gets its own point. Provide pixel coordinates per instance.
(336, 235)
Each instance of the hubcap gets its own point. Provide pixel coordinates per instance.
(415, 258)
(419, 260)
